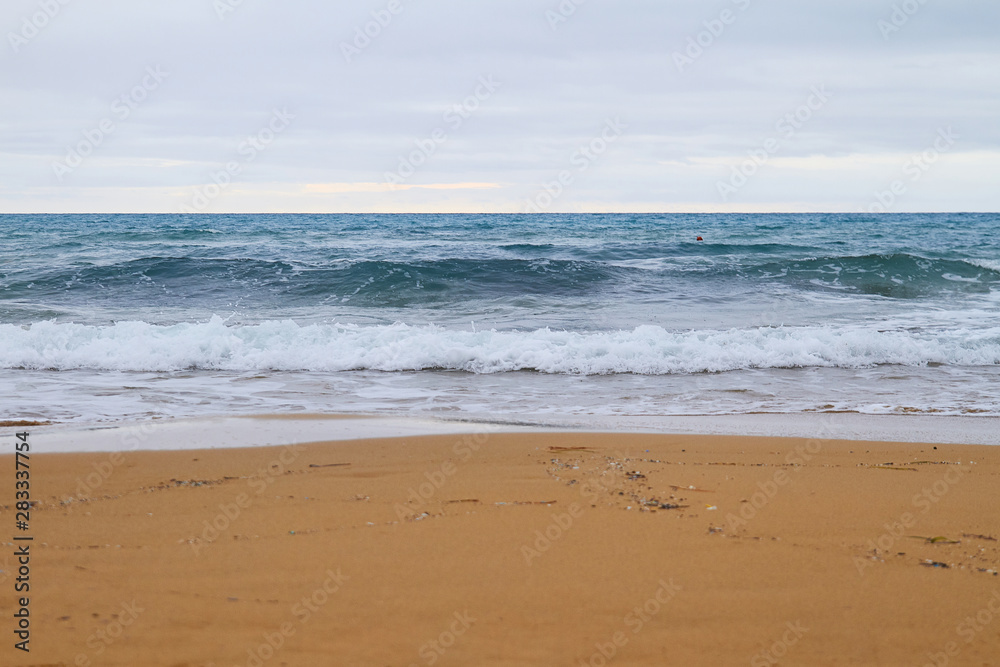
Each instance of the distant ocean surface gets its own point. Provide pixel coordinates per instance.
(112, 317)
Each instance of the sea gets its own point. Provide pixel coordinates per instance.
(110, 318)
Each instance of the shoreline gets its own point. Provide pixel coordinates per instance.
(211, 432)
(524, 548)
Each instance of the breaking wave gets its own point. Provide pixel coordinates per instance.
(649, 350)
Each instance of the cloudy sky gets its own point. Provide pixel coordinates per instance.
(499, 105)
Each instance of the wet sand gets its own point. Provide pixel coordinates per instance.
(514, 549)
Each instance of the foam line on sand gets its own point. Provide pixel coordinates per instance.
(264, 430)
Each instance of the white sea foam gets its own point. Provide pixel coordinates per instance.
(991, 264)
(651, 350)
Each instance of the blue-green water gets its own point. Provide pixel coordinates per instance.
(110, 317)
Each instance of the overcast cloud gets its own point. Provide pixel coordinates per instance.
(484, 105)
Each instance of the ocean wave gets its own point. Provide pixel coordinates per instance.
(991, 264)
(649, 350)
(378, 283)
(866, 273)
(901, 275)
(339, 280)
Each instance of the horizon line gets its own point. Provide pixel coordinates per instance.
(527, 213)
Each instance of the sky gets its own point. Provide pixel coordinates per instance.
(220, 106)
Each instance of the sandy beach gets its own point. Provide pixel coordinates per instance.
(516, 549)
(500, 334)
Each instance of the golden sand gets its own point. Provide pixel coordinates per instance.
(570, 549)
